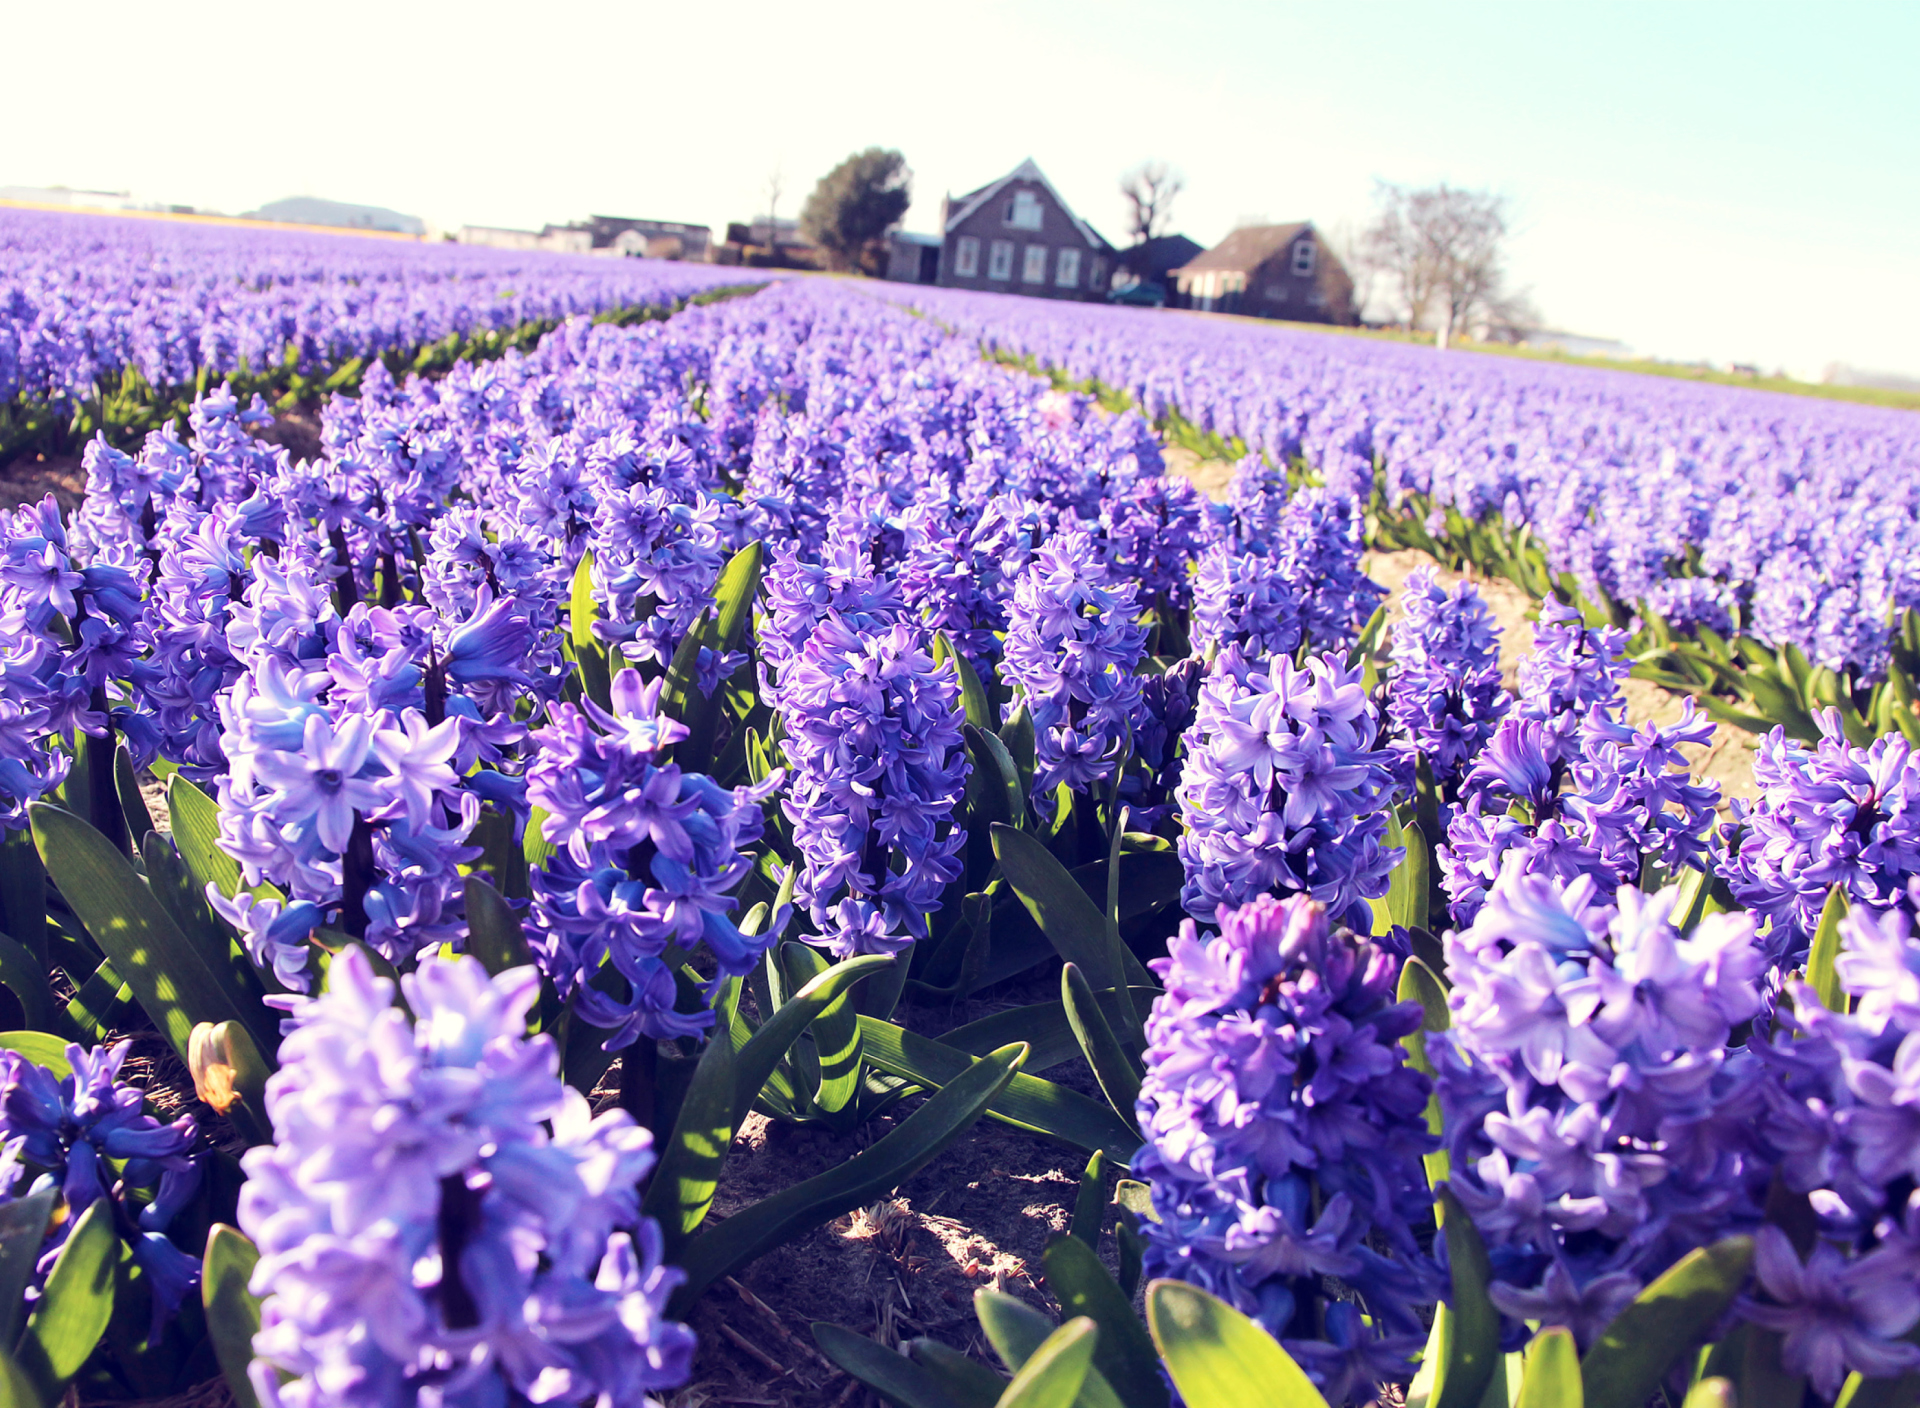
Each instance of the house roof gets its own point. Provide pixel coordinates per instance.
(962, 208)
(1248, 248)
(1157, 257)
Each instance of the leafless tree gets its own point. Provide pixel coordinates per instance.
(776, 187)
(1442, 251)
(1150, 188)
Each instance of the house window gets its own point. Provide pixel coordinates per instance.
(1099, 271)
(1275, 293)
(1023, 211)
(1033, 268)
(1066, 269)
(966, 257)
(1000, 260)
(1303, 257)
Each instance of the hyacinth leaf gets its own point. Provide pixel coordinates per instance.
(1042, 1025)
(868, 1175)
(1054, 1373)
(887, 1372)
(1822, 972)
(836, 1031)
(23, 1226)
(41, 1048)
(23, 894)
(973, 696)
(1418, 983)
(233, 1312)
(196, 831)
(1124, 1353)
(1857, 1392)
(534, 845)
(1475, 1349)
(1218, 1358)
(494, 933)
(133, 803)
(16, 1388)
(1717, 1392)
(993, 782)
(1028, 1103)
(968, 1380)
(582, 608)
(1131, 1027)
(1690, 899)
(1090, 1202)
(174, 979)
(1552, 1376)
(1017, 734)
(1408, 886)
(1072, 923)
(1624, 1367)
(26, 979)
(683, 1183)
(76, 1304)
(1016, 1331)
(1751, 1357)
(755, 1062)
(1118, 1076)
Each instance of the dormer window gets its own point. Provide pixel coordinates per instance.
(1023, 211)
(1303, 257)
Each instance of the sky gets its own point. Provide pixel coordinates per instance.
(1701, 180)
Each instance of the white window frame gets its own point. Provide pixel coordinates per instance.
(1000, 260)
(966, 257)
(1066, 269)
(1023, 211)
(1303, 258)
(1033, 264)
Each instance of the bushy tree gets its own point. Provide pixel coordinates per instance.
(854, 205)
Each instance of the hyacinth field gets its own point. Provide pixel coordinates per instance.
(669, 723)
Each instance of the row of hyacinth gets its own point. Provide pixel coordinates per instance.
(1793, 516)
(369, 659)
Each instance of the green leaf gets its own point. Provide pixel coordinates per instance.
(41, 1048)
(1124, 1353)
(1112, 1066)
(1552, 1378)
(972, 696)
(26, 978)
(16, 1388)
(991, 754)
(196, 831)
(1016, 1331)
(894, 1376)
(174, 979)
(133, 803)
(1409, 885)
(1419, 984)
(23, 894)
(689, 1169)
(494, 935)
(718, 629)
(23, 1227)
(1042, 1025)
(893, 1159)
(755, 1062)
(1821, 972)
(581, 606)
(1624, 1366)
(185, 901)
(1017, 734)
(1072, 923)
(1053, 1373)
(233, 1312)
(75, 1306)
(968, 1380)
(1218, 1358)
(1131, 1028)
(96, 1010)
(1090, 1202)
(836, 1031)
(1475, 1350)
(1028, 1103)
(1717, 1392)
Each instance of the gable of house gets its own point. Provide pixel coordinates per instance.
(1017, 235)
(1274, 271)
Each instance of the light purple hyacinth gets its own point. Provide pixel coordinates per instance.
(1597, 1124)
(646, 859)
(1073, 644)
(440, 1218)
(1284, 789)
(1284, 1136)
(879, 767)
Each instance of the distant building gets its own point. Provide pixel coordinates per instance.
(912, 258)
(1573, 344)
(1153, 262)
(600, 234)
(311, 210)
(767, 244)
(82, 199)
(1016, 235)
(1270, 271)
(1840, 374)
(498, 237)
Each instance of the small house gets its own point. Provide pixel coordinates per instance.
(1016, 235)
(1270, 271)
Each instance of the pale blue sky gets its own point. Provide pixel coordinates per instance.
(1734, 181)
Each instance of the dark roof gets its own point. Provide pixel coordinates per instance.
(1156, 258)
(1248, 248)
(963, 207)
